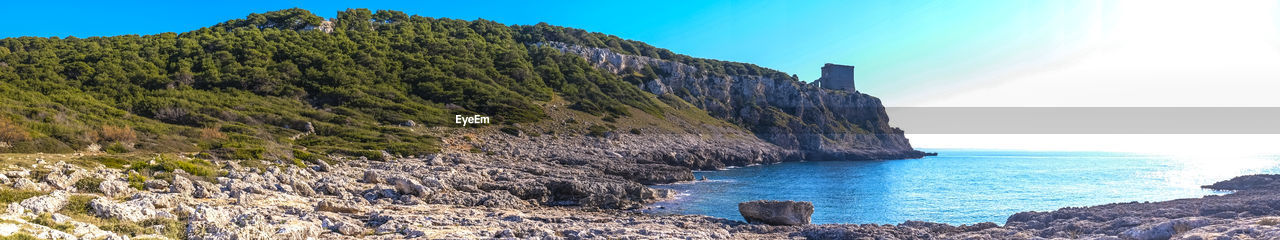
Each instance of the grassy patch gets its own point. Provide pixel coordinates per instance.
(47, 220)
(78, 205)
(19, 236)
(116, 148)
(169, 163)
(299, 163)
(173, 229)
(111, 161)
(15, 195)
(89, 185)
(597, 131)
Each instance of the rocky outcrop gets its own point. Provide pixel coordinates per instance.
(42, 204)
(1248, 182)
(823, 124)
(114, 188)
(1164, 230)
(776, 212)
(132, 210)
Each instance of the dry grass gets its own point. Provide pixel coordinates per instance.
(123, 134)
(212, 134)
(11, 132)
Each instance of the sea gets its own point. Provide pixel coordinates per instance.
(960, 186)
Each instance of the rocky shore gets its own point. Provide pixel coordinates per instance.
(522, 189)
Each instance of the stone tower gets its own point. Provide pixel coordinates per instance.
(836, 76)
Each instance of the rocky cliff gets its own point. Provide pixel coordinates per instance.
(821, 124)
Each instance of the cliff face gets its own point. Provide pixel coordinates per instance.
(821, 124)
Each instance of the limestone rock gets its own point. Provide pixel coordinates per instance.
(776, 212)
(207, 190)
(181, 185)
(371, 176)
(132, 210)
(27, 184)
(1164, 230)
(409, 186)
(344, 225)
(114, 187)
(61, 181)
(339, 206)
(156, 184)
(45, 204)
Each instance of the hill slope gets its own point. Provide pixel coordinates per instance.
(289, 85)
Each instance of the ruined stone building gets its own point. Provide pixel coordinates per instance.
(836, 76)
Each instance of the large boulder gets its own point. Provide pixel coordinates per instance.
(156, 184)
(132, 210)
(409, 186)
(44, 204)
(1164, 230)
(181, 185)
(114, 188)
(776, 212)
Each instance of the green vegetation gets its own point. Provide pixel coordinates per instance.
(78, 204)
(510, 130)
(270, 87)
(46, 219)
(137, 181)
(597, 130)
(89, 185)
(173, 229)
(263, 87)
(9, 195)
(168, 164)
(19, 236)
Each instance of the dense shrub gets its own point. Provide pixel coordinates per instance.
(510, 130)
(597, 131)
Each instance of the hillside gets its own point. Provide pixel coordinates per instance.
(288, 85)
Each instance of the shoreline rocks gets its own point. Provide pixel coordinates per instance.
(468, 196)
(789, 213)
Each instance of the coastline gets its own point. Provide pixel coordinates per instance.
(357, 199)
(560, 187)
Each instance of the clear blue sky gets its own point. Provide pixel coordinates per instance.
(896, 45)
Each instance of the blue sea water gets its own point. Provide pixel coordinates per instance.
(960, 186)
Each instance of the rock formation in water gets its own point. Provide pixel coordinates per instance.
(790, 213)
